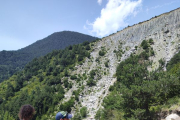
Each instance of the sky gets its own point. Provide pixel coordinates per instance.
(23, 22)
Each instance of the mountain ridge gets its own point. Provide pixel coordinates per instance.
(10, 61)
(165, 32)
(86, 75)
(143, 21)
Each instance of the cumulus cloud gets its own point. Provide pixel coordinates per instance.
(113, 16)
(99, 2)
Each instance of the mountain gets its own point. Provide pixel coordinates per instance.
(131, 74)
(13, 61)
(56, 41)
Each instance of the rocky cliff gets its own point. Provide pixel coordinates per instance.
(163, 29)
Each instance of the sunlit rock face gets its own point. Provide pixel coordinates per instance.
(163, 29)
(172, 117)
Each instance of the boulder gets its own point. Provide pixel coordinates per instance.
(172, 117)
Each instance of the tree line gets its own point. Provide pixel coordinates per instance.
(42, 83)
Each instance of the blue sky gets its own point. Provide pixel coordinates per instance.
(22, 22)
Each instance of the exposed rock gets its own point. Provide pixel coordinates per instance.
(165, 32)
(172, 117)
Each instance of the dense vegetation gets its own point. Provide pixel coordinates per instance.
(42, 84)
(13, 61)
(139, 94)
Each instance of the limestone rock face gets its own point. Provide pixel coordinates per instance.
(172, 117)
(165, 32)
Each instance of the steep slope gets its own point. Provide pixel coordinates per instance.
(42, 83)
(87, 76)
(163, 29)
(13, 61)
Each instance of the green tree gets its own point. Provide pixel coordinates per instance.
(91, 82)
(9, 91)
(83, 112)
(144, 44)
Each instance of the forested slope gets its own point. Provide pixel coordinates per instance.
(13, 61)
(42, 83)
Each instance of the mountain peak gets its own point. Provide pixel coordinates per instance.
(59, 40)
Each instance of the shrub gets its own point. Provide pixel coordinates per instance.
(88, 47)
(106, 63)
(93, 73)
(83, 112)
(91, 82)
(173, 61)
(97, 59)
(73, 77)
(136, 47)
(144, 55)
(101, 53)
(144, 44)
(151, 41)
(85, 43)
(152, 53)
(80, 57)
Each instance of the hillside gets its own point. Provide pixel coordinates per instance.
(132, 74)
(56, 41)
(13, 61)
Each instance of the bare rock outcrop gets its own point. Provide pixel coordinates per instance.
(165, 32)
(163, 29)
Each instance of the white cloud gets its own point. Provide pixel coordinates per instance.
(113, 16)
(99, 2)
